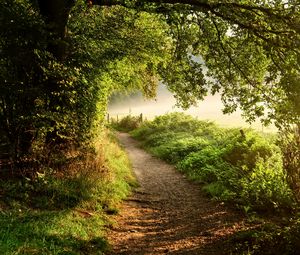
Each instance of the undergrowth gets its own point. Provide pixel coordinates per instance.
(268, 239)
(240, 167)
(128, 123)
(65, 211)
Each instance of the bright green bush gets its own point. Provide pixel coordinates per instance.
(175, 150)
(127, 123)
(238, 165)
(175, 122)
(159, 139)
(266, 185)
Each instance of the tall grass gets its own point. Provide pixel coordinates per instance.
(241, 166)
(65, 211)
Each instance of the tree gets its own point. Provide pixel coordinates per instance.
(22, 41)
(55, 99)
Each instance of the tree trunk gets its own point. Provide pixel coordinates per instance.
(56, 14)
(291, 157)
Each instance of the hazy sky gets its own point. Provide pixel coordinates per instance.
(209, 109)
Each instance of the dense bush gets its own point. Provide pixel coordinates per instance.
(268, 239)
(175, 150)
(237, 165)
(127, 123)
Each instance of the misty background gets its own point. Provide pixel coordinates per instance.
(209, 109)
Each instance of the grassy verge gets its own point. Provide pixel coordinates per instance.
(240, 167)
(65, 212)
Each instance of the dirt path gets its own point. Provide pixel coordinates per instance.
(168, 214)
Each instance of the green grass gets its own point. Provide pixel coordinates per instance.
(65, 212)
(243, 167)
(51, 232)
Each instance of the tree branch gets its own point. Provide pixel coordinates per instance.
(241, 71)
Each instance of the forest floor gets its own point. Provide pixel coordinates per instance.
(169, 214)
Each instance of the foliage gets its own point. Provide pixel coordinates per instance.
(290, 144)
(54, 90)
(245, 50)
(60, 60)
(65, 212)
(128, 123)
(21, 32)
(54, 102)
(236, 165)
(176, 122)
(269, 239)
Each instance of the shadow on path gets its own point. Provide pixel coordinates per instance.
(169, 214)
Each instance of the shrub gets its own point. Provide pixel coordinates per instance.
(175, 122)
(266, 187)
(127, 123)
(290, 145)
(233, 164)
(268, 239)
(175, 150)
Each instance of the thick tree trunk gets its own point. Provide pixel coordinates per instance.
(291, 152)
(56, 14)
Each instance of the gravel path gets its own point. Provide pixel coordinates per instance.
(168, 214)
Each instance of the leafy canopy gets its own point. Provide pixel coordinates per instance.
(246, 50)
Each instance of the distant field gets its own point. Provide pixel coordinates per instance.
(209, 109)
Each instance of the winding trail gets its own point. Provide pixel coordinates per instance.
(168, 214)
